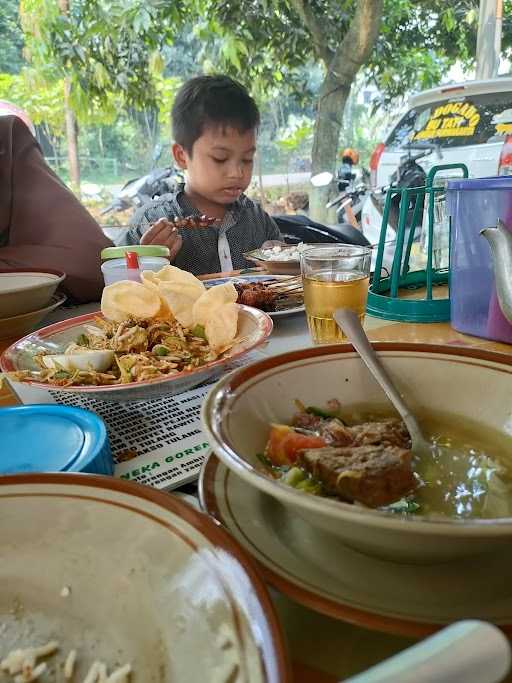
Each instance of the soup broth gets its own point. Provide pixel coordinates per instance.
(467, 476)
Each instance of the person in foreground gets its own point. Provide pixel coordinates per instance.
(214, 123)
(42, 224)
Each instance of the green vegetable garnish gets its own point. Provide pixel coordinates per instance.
(310, 486)
(404, 505)
(198, 331)
(263, 459)
(82, 340)
(294, 477)
(160, 350)
(61, 374)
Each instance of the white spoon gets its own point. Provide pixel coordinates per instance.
(349, 323)
(468, 651)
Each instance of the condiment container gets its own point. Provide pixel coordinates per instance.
(53, 438)
(115, 268)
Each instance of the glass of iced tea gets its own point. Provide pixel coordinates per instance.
(334, 277)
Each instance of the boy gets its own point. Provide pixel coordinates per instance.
(214, 123)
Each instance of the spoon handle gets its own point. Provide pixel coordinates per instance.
(471, 651)
(349, 323)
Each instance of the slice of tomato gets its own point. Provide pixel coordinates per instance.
(284, 444)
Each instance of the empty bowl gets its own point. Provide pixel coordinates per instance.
(126, 575)
(16, 326)
(23, 291)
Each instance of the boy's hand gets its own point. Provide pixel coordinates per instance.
(164, 233)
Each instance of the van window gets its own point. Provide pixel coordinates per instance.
(471, 120)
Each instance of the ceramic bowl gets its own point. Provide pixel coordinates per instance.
(462, 383)
(126, 574)
(254, 327)
(285, 267)
(18, 325)
(24, 291)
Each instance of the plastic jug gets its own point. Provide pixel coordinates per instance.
(474, 204)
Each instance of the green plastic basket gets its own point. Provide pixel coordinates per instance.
(384, 300)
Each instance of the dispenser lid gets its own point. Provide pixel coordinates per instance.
(50, 438)
(140, 249)
(502, 182)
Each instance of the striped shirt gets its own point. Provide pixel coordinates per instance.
(244, 227)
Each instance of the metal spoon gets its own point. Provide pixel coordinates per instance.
(349, 323)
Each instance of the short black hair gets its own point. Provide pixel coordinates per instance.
(211, 101)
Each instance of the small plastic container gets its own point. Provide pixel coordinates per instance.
(115, 268)
(53, 438)
(474, 204)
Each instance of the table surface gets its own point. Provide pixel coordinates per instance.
(324, 650)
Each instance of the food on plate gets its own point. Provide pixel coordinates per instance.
(22, 664)
(125, 299)
(256, 294)
(177, 290)
(169, 323)
(270, 296)
(284, 252)
(369, 462)
(83, 359)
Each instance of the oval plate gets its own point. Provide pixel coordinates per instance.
(293, 310)
(254, 327)
(315, 569)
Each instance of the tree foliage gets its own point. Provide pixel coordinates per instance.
(11, 43)
(106, 46)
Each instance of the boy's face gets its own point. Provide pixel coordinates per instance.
(220, 166)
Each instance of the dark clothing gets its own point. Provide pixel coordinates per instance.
(42, 223)
(216, 248)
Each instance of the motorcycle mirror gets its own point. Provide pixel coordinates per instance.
(157, 152)
(321, 179)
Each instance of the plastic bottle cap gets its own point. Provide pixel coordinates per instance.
(139, 249)
(53, 438)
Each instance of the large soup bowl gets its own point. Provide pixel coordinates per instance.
(464, 384)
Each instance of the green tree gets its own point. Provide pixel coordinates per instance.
(106, 51)
(11, 43)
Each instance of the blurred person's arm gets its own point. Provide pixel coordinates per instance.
(42, 223)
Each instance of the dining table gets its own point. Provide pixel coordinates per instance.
(322, 649)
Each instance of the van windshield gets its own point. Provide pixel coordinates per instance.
(471, 120)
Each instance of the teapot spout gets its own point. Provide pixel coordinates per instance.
(500, 242)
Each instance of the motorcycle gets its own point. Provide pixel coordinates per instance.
(351, 197)
(138, 191)
(300, 228)
(409, 173)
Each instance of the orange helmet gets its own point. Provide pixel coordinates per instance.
(351, 154)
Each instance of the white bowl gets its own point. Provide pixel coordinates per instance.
(16, 326)
(24, 291)
(467, 383)
(126, 574)
(254, 327)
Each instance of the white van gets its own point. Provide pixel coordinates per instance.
(469, 123)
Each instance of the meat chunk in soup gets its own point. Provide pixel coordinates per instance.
(374, 475)
(389, 432)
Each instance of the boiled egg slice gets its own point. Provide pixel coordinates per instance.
(82, 360)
